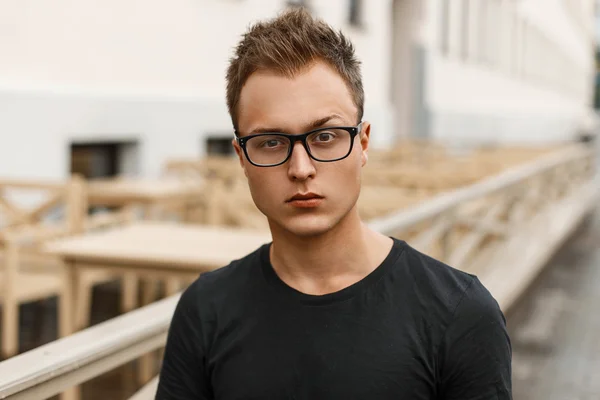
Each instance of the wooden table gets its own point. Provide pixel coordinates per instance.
(150, 249)
(154, 196)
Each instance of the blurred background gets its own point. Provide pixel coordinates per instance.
(129, 84)
(126, 99)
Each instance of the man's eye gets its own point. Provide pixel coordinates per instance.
(272, 143)
(324, 137)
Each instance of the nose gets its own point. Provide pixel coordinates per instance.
(301, 166)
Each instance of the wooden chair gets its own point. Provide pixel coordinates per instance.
(436, 167)
(232, 205)
(223, 168)
(27, 273)
(21, 227)
(209, 172)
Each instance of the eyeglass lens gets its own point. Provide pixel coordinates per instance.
(324, 145)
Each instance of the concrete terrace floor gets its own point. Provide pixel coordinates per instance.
(555, 328)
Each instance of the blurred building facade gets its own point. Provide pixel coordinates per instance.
(510, 70)
(119, 86)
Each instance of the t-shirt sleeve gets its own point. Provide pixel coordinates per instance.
(476, 353)
(183, 374)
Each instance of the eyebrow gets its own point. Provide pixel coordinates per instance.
(313, 125)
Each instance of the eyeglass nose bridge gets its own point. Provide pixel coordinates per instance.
(299, 138)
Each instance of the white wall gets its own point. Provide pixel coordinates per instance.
(490, 95)
(154, 71)
(373, 43)
(37, 129)
(123, 46)
(149, 70)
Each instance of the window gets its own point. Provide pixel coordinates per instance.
(493, 22)
(355, 17)
(219, 145)
(445, 27)
(296, 3)
(483, 32)
(466, 27)
(521, 58)
(93, 159)
(515, 43)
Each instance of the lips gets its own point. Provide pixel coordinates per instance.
(304, 196)
(305, 200)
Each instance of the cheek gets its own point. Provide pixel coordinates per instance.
(344, 179)
(353, 165)
(264, 188)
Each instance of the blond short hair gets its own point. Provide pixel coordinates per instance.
(288, 44)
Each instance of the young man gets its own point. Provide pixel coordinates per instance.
(330, 309)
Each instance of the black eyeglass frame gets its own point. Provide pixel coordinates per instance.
(352, 130)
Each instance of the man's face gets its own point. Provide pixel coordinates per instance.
(274, 103)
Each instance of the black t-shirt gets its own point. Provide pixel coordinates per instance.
(414, 329)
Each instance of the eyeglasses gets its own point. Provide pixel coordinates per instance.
(323, 144)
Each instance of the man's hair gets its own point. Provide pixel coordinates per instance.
(288, 44)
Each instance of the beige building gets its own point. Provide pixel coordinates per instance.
(118, 86)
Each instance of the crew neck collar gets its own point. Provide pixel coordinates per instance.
(341, 295)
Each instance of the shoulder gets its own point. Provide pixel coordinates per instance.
(478, 306)
(467, 318)
(225, 284)
(474, 352)
(444, 293)
(433, 278)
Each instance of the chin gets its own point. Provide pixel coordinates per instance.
(307, 226)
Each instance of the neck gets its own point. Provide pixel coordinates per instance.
(329, 262)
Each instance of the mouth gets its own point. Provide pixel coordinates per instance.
(304, 196)
(305, 200)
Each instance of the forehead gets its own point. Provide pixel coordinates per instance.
(269, 99)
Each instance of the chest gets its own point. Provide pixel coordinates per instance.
(323, 353)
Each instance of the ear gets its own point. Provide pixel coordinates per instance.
(240, 154)
(364, 142)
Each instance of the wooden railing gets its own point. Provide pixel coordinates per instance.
(504, 229)
(50, 369)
